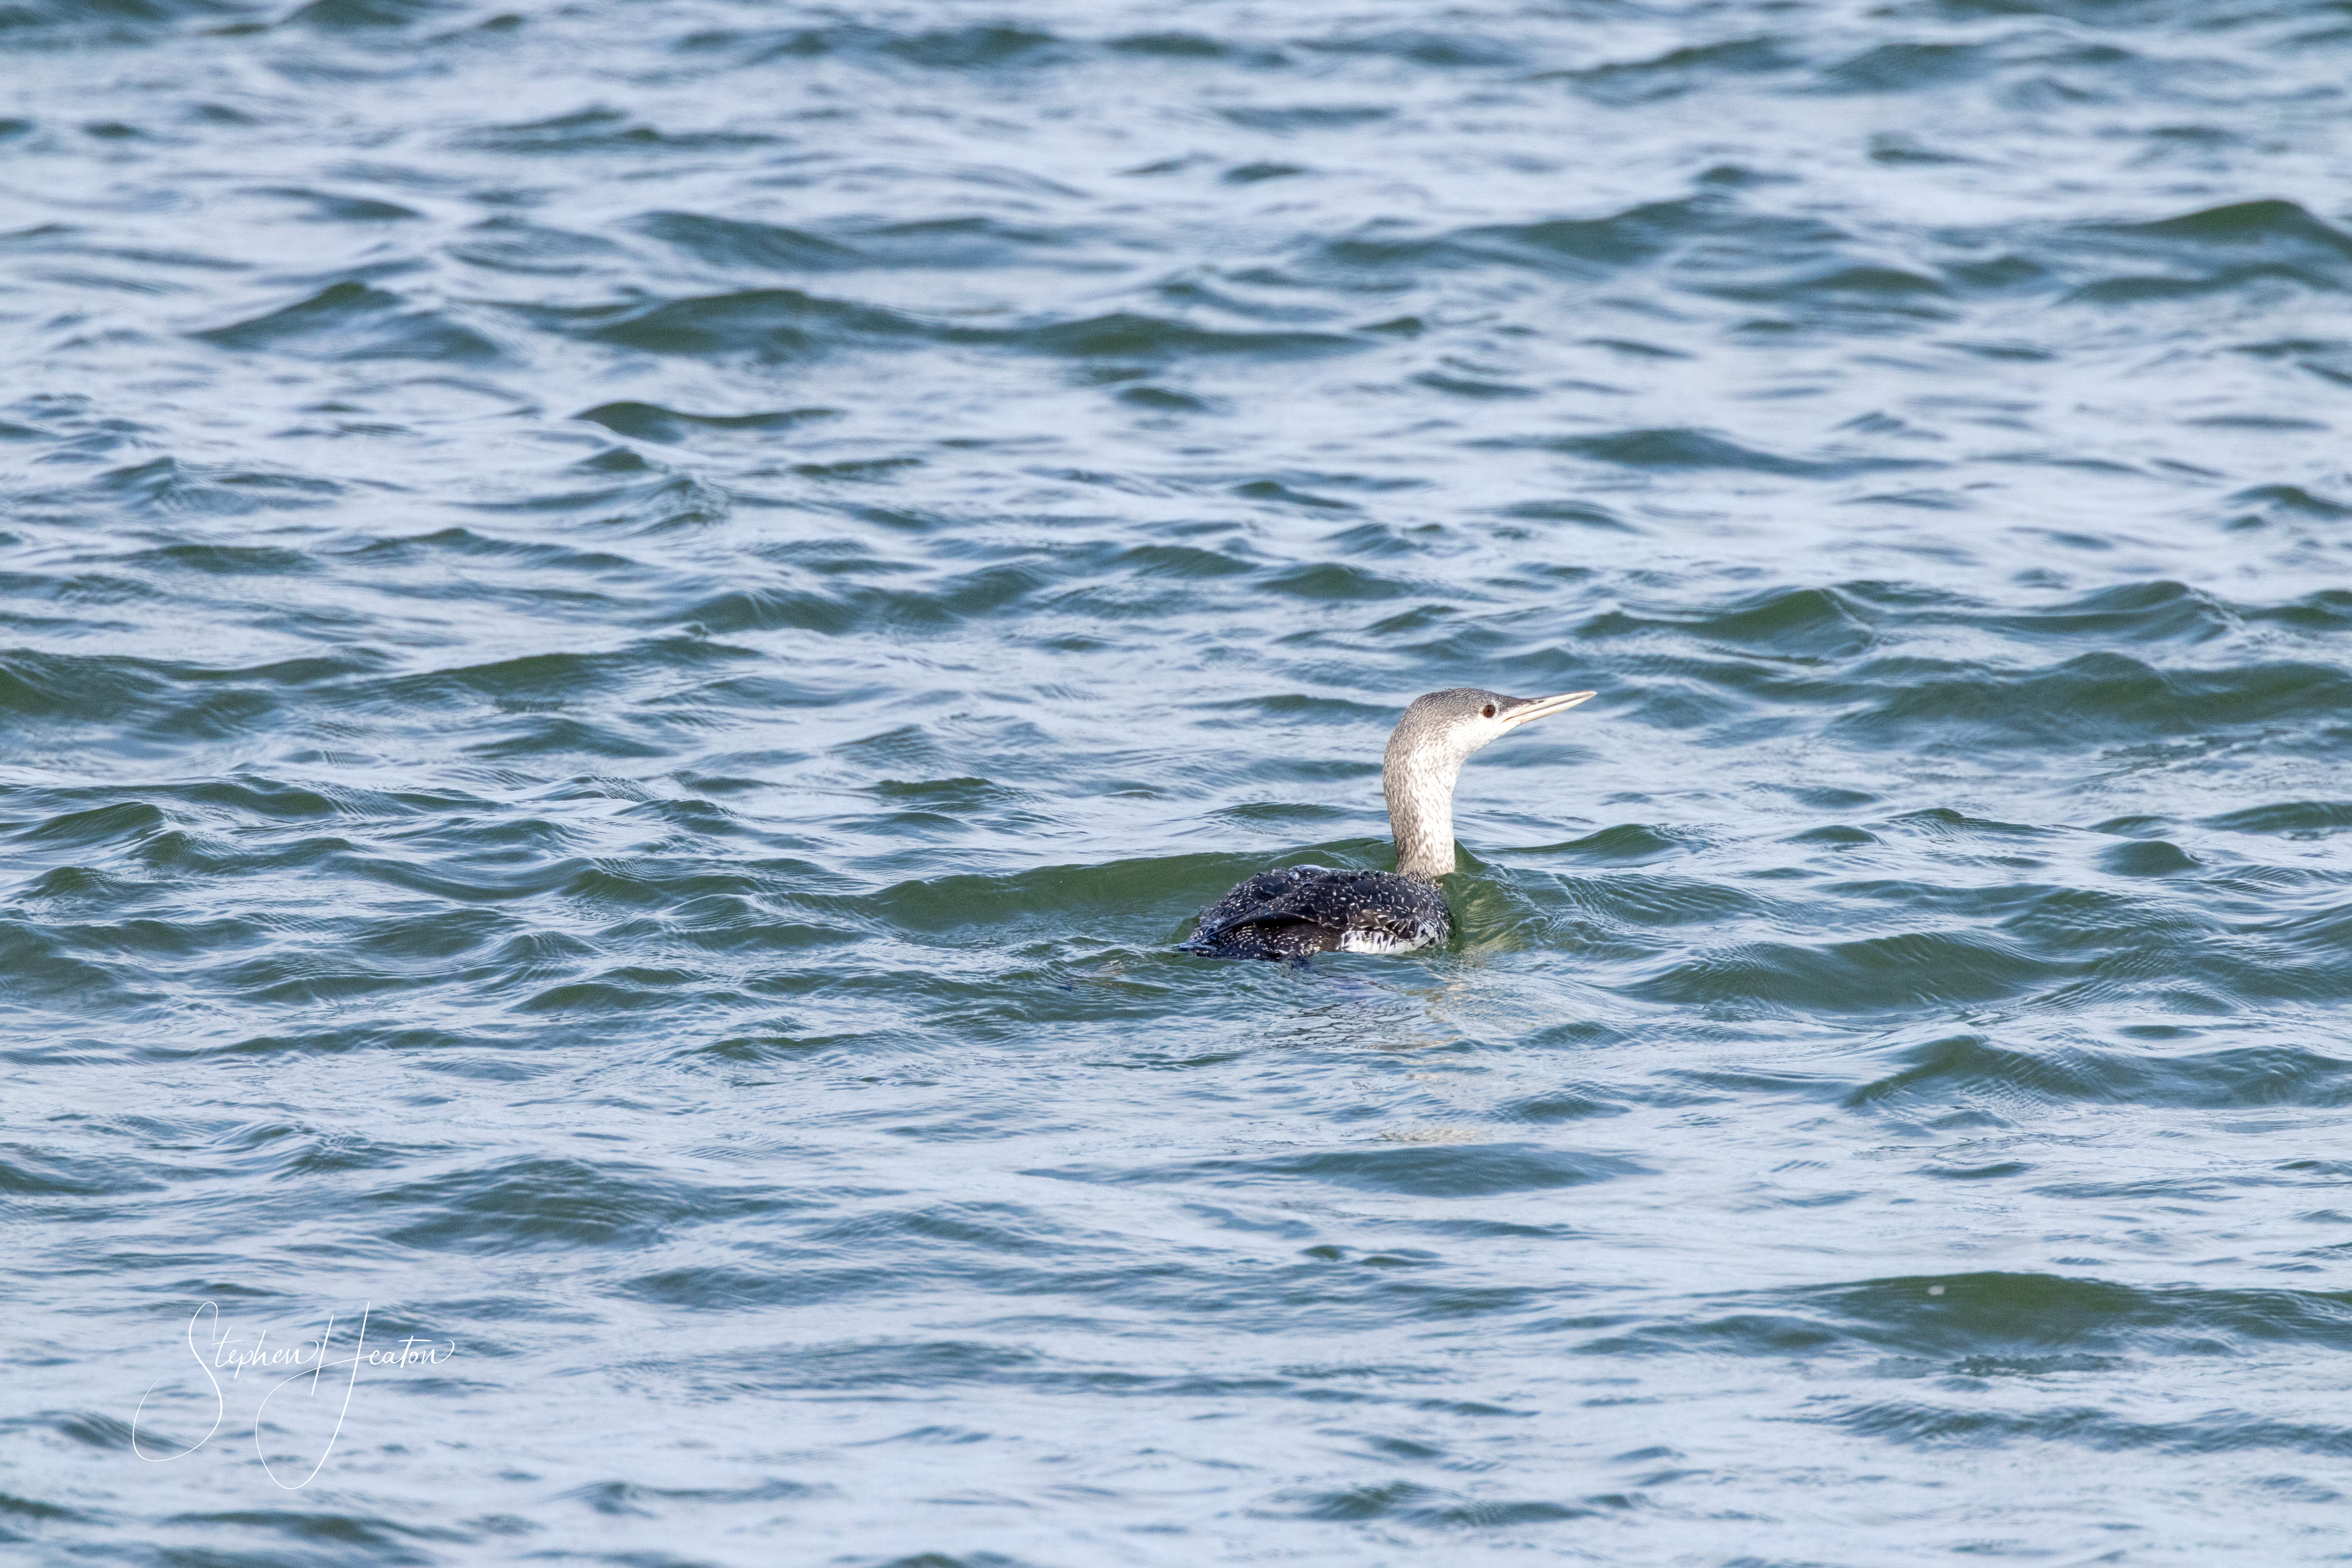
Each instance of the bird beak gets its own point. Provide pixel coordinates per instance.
(1544, 708)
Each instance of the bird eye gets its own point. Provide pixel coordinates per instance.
(1487, 712)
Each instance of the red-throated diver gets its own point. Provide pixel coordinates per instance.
(1308, 910)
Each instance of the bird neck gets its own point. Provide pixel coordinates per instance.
(1420, 789)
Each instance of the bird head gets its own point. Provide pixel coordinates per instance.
(1449, 725)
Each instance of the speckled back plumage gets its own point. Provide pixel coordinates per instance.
(1307, 909)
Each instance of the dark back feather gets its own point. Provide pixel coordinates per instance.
(1269, 910)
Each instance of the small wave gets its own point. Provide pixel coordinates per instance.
(1668, 450)
(671, 426)
(1333, 582)
(941, 608)
(1410, 1503)
(124, 820)
(325, 206)
(1651, 901)
(1913, 972)
(2100, 699)
(544, 1203)
(1998, 1322)
(1142, 897)
(512, 244)
(354, 320)
(2222, 249)
(111, 16)
(2146, 858)
(557, 736)
(544, 678)
(659, 503)
(1182, 562)
(1577, 246)
(1175, 45)
(38, 968)
(1585, 514)
(464, 542)
(1629, 844)
(1974, 1070)
(2297, 819)
(173, 487)
(869, 1364)
(786, 324)
(725, 242)
(594, 129)
(1454, 1170)
(2331, 361)
(978, 46)
(1678, 71)
(1443, 50)
(1131, 335)
(2135, 612)
(2269, 227)
(1839, 293)
(2090, 1426)
(157, 698)
(1910, 67)
(2085, 13)
(765, 323)
(1259, 173)
(1307, 117)
(721, 1289)
(227, 559)
(1809, 624)
(368, 14)
(28, 1175)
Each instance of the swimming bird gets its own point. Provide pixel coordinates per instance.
(1307, 909)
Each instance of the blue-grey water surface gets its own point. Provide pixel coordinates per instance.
(633, 626)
